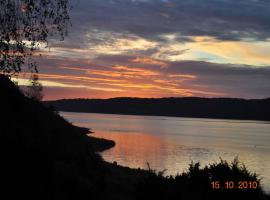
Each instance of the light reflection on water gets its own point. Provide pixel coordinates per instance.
(172, 143)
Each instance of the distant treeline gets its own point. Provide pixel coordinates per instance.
(222, 108)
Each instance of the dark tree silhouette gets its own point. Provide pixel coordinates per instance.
(25, 26)
(35, 89)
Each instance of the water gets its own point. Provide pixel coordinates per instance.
(171, 143)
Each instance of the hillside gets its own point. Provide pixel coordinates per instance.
(42, 155)
(221, 108)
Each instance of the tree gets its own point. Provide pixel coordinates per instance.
(25, 26)
(35, 89)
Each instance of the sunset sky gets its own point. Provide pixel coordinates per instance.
(161, 48)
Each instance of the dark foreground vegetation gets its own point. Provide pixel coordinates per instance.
(46, 158)
(197, 182)
(221, 108)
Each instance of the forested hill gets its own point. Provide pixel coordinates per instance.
(222, 108)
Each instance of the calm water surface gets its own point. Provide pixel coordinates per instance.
(171, 143)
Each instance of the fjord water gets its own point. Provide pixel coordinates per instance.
(172, 143)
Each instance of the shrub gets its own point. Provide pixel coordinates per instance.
(197, 183)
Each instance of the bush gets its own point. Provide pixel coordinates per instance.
(197, 183)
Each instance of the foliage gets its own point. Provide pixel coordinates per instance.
(196, 183)
(35, 89)
(25, 26)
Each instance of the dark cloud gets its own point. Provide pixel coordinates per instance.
(233, 80)
(222, 19)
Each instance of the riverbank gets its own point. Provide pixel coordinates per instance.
(192, 107)
(196, 183)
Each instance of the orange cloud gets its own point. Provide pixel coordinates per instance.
(74, 68)
(188, 76)
(119, 71)
(135, 71)
(122, 80)
(78, 78)
(149, 61)
(129, 81)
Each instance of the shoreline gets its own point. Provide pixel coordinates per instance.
(206, 118)
(97, 144)
(102, 144)
(191, 107)
(132, 174)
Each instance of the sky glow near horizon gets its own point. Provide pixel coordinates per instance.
(161, 48)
